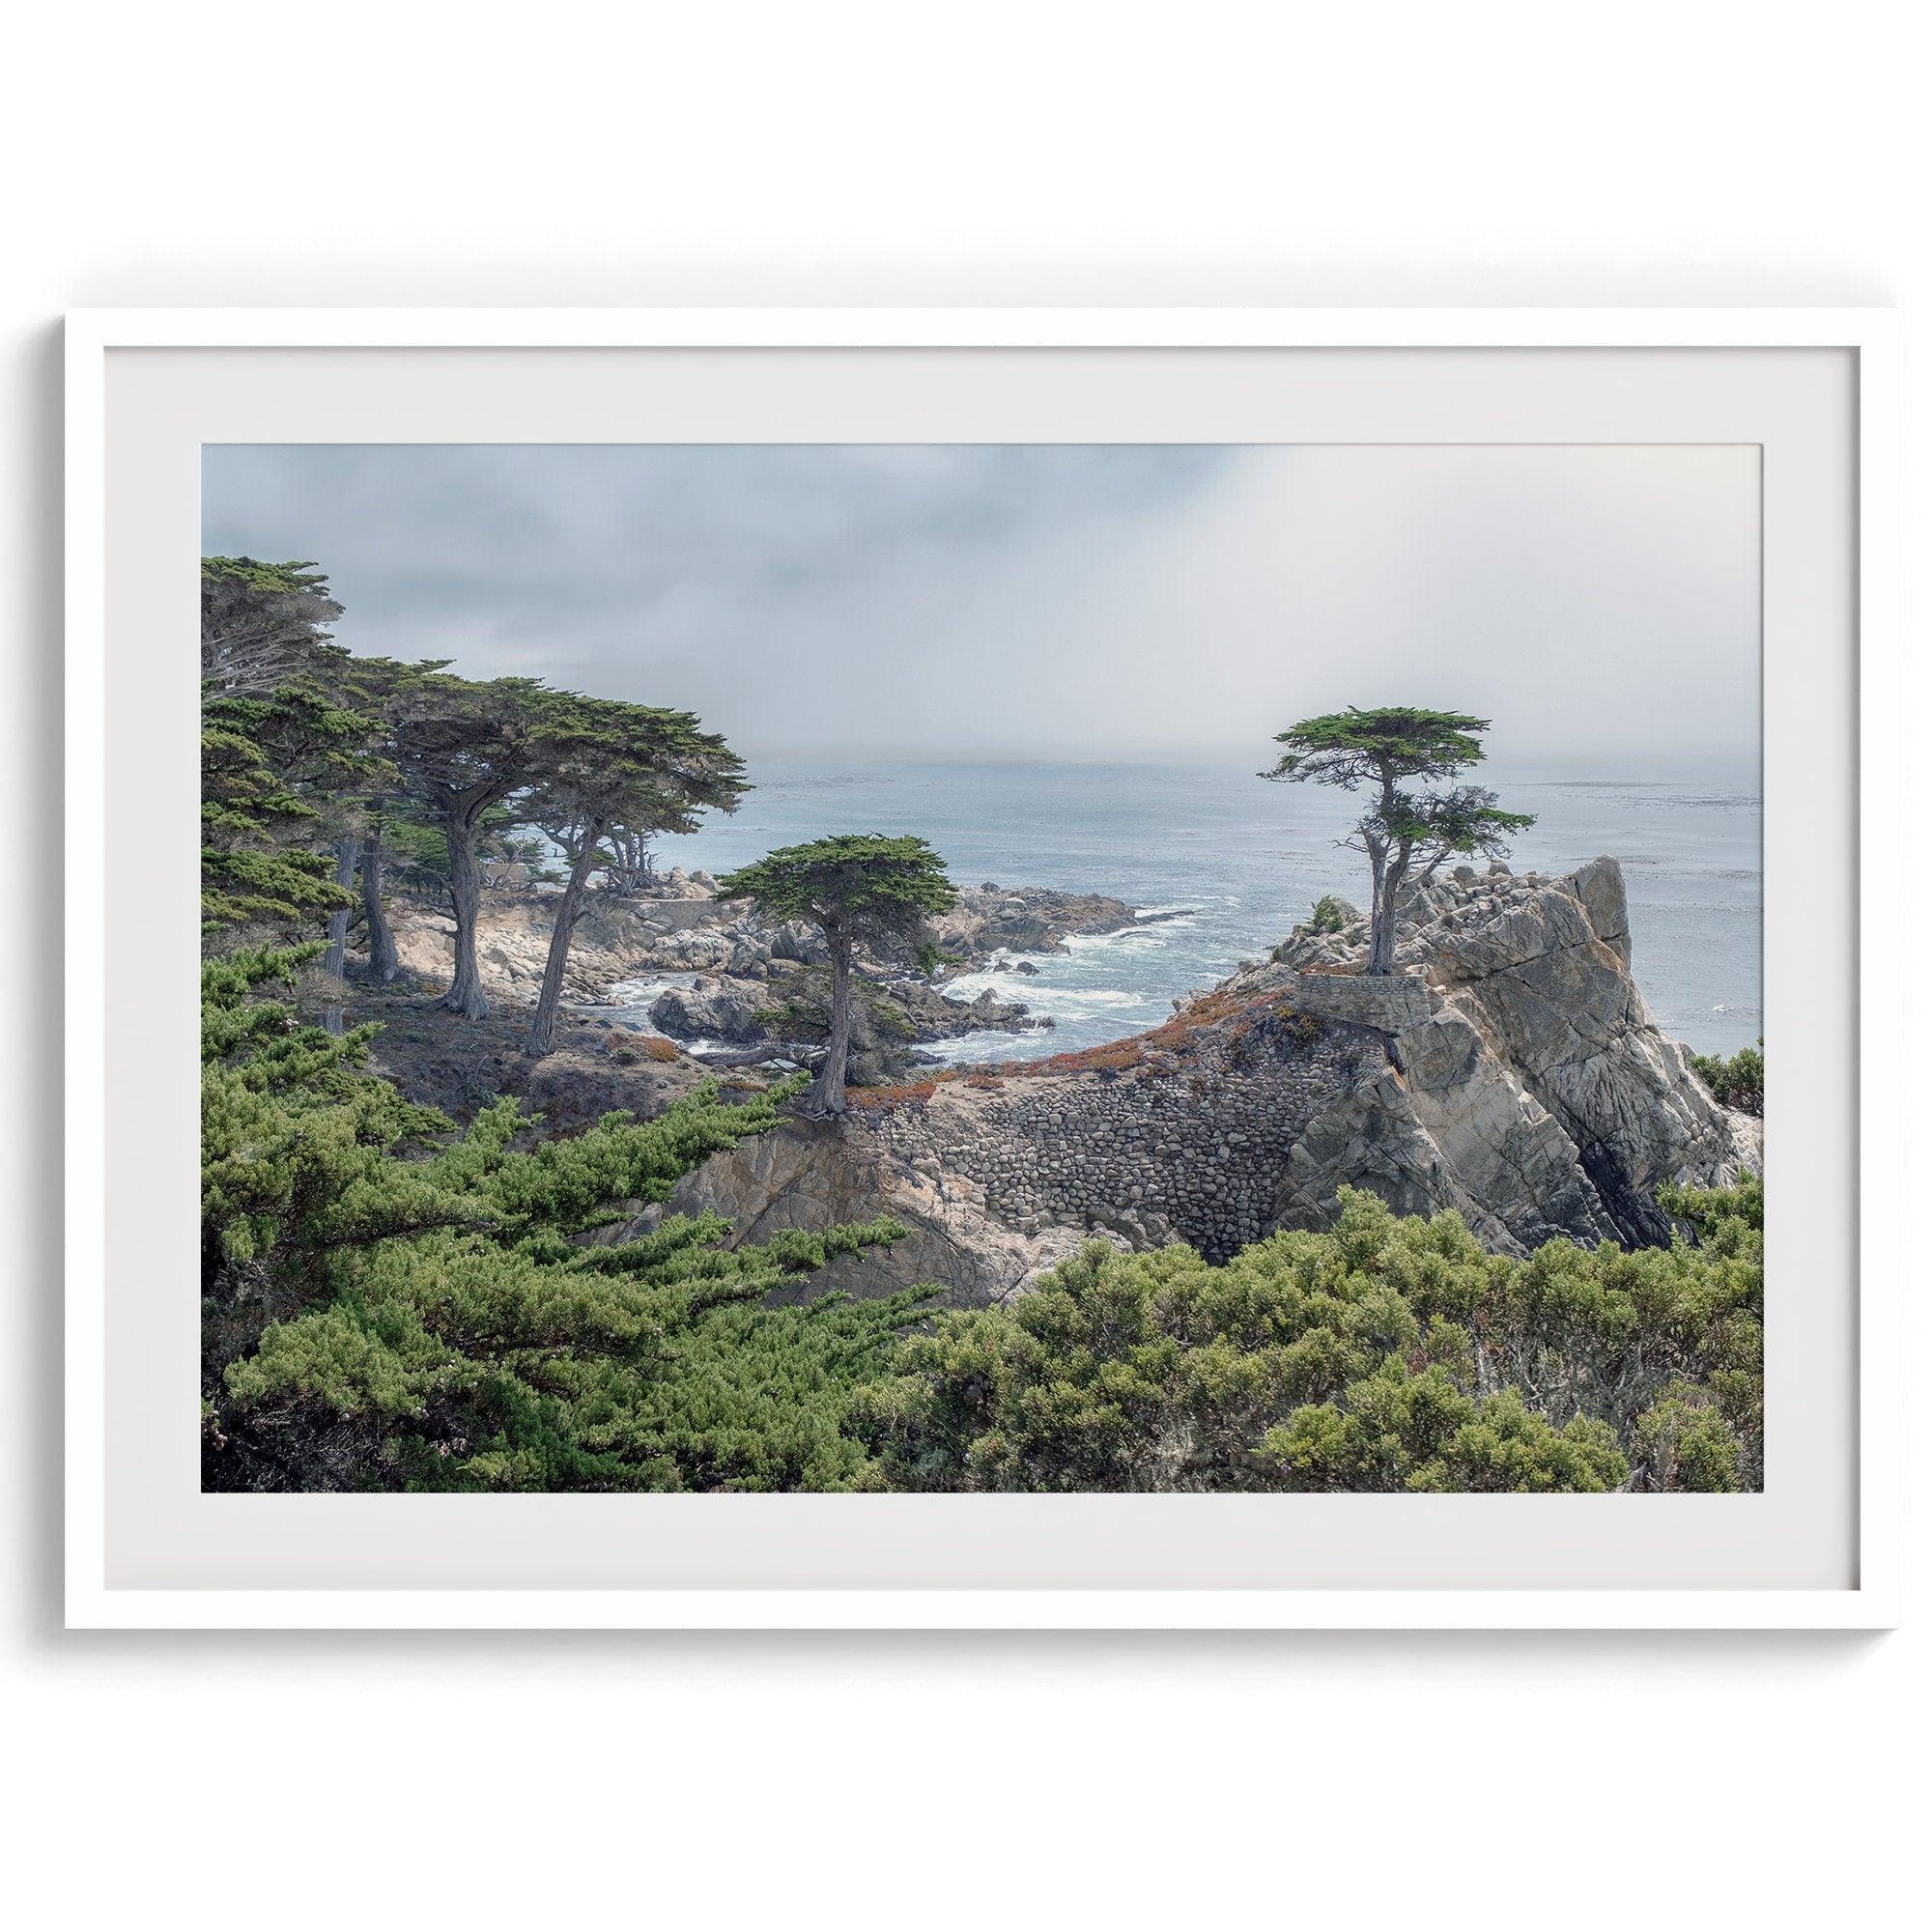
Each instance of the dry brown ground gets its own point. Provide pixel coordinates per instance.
(440, 1060)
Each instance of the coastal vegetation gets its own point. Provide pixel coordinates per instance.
(1329, 914)
(601, 764)
(392, 1300)
(1737, 1081)
(1386, 1353)
(389, 1303)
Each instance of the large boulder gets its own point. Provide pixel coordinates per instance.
(1545, 976)
(799, 941)
(711, 1009)
(678, 914)
(1446, 1124)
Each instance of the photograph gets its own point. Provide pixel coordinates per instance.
(982, 968)
(1054, 952)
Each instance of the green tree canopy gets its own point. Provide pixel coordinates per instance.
(461, 747)
(879, 888)
(291, 736)
(263, 871)
(1353, 748)
(262, 623)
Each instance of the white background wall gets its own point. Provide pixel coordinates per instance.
(831, 153)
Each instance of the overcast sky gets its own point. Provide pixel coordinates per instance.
(1086, 602)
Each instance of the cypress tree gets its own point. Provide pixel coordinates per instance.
(860, 889)
(1403, 833)
(605, 767)
(462, 749)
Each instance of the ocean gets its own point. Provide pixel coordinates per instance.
(1238, 863)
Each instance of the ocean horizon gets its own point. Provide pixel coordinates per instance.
(1234, 863)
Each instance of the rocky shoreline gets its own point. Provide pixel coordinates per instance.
(756, 991)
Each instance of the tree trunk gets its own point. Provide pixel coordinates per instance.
(466, 884)
(1381, 943)
(1378, 870)
(828, 1092)
(385, 962)
(1388, 870)
(1382, 930)
(336, 956)
(569, 909)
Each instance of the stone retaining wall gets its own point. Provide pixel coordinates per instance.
(1190, 1153)
(1390, 1004)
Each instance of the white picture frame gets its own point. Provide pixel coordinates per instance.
(1870, 1596)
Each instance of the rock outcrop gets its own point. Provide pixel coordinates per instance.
(513, 944)
(712, 1009)
(1510, 1071)
(991, 918)
(1535, 1024)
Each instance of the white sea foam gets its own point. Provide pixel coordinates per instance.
(629, 1001)
(1148, 938)
(1041, 996)
(992, 1044)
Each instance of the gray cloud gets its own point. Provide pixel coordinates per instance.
(1093, 602)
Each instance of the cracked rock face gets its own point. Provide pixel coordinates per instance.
(1540, 1081)
(1552, 991)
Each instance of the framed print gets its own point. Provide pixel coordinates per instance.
(983, 968)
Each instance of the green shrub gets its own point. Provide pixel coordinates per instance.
(1686, 1443)
(1386, 1353)
(1737, 1081)
(1293, 1023)
(389, 1304)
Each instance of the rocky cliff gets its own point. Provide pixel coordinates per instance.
(1537, 1061)
(1510, 1071)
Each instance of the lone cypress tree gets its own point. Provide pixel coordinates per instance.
(1403, 834)
(607, 765)
(858, 889)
